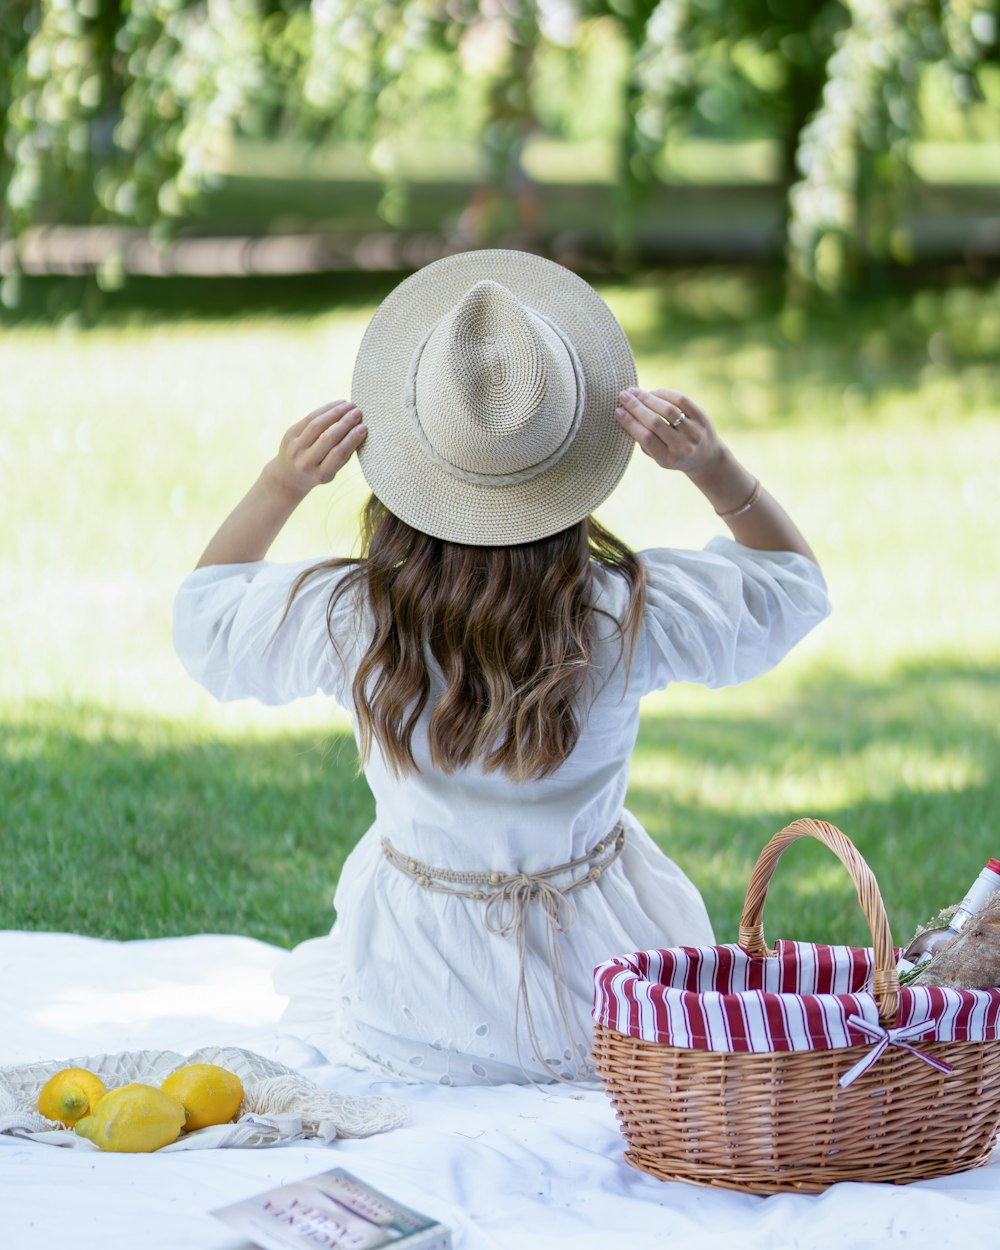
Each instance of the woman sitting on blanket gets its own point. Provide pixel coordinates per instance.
(492, 645)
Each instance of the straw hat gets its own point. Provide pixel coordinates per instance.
(488, 382)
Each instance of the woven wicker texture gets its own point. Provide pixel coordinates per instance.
(488, 381)
(769, 1123)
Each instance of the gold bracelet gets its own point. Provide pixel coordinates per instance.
(744, 507)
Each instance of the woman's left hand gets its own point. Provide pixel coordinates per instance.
(316, 448)
(670, 428)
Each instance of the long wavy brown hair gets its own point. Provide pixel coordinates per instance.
(512, 630)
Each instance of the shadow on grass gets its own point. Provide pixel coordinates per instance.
(732, 316)
(785, 366)
(127, 827)
(81, 303)
(123, 827)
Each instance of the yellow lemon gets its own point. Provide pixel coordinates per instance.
(69, 1095)
(133, 1119)
(208, 1093)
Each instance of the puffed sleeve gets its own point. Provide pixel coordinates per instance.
(726, 614)
(225, 618)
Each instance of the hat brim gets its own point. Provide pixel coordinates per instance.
(423, 493)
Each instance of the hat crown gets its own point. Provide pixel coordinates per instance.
(496, 389)
(497, 360)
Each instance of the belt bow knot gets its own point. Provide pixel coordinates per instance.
(508, 900)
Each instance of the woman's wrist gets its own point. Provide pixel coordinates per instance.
(248, 532)
(275, 479)
(724, 482)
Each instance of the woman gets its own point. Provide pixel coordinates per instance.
(492, 645)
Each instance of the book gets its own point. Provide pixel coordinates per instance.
(333, 1211)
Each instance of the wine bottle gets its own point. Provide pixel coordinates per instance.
(928, 941)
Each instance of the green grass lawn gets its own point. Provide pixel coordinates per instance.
(131, 805)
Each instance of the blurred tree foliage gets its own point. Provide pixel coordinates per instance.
(118, 110)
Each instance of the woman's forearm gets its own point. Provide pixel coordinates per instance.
(253, 525)
(311, 454)
(728, 486)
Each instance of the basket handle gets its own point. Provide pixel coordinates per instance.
(885, 982)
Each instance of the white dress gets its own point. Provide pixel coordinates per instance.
(409, 981)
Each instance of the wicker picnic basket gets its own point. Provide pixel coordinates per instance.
(797, 1119)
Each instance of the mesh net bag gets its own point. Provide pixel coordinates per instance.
(279, 1104)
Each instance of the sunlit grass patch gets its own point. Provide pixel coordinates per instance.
(904, 763)
(133, 805)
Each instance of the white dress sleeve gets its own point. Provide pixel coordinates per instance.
(225, 618)
(726, 614)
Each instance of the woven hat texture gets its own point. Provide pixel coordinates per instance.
(488, 381)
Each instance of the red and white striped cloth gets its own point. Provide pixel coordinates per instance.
(720, 998)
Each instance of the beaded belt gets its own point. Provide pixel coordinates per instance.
(507, 898)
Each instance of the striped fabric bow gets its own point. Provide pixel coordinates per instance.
(900, 1037)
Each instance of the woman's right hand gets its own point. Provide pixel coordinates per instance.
(670, 428)
(311, 454)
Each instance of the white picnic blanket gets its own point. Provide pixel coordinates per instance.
(508, 1168)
